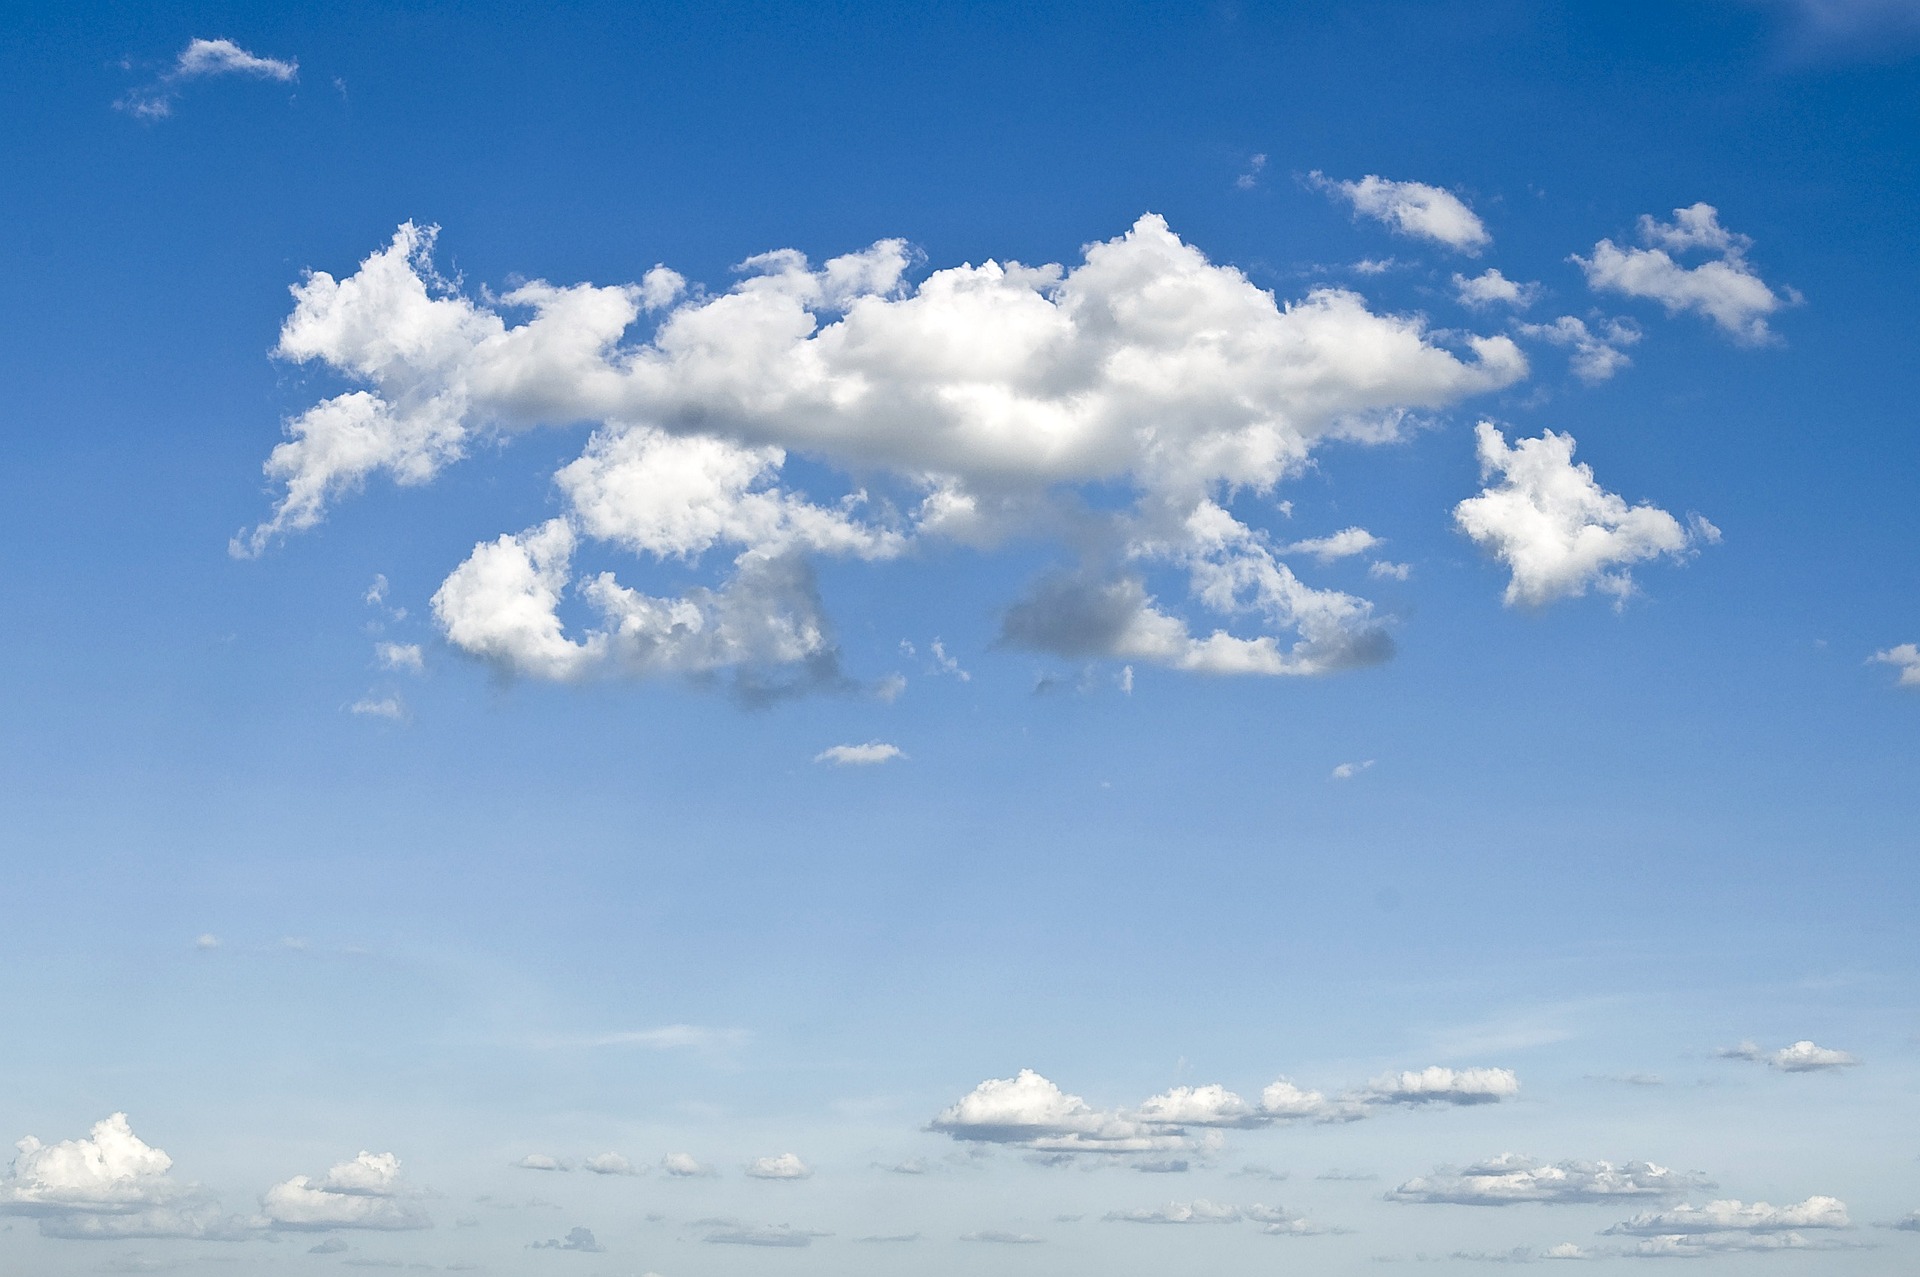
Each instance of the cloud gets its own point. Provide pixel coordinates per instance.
(1904, 657)
(784, 1166)
(206, 940)
(541, 1162)
(388, 707)
(859, 755)
(1596, 356)
(1002, 1238)
(1251, 178)
(1805, 1057)
(1339, 545)
(581, 1239)
(1276, 1221)
(202, 59)
(1347, 771)
(685, 1166)
(1384, 570)
(1198, 1211)
(1030, 1111)
(609, 1164)
(731, 1233)
(1437, 1085)
(1413, 208)
(1511, 1178)
(366, 1192)
(1692, 1246)
(982, 406)
(1736, 1216)
(399, 656)
(1558, 531)
(1726, 290)
(1490, 288)
(330, 1246)
(110, 1171)
(1909, 1223)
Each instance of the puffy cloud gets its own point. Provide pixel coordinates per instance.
(1437, 1085)
(366, 1192)
(1276, 1221)
(1801, 1057)
(1727, 290)
(541, 1162)
(1596, 355)
(1736, 1216)
(859, 755)
(1198, 1211)
(1511, 1178)
(1413, 208)
(1559, 532)
(609, 1164)
(1029, 1110)
(1338, 545)
(111, 1171)
(399, 656)
(581, 1239)
(1490, 288)
(984, 403)
(685, 1166)
(1905, 658)
(200, 60)
(783, 1166)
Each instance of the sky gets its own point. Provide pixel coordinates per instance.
(844, 639)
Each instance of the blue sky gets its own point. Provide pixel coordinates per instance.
(876, 758)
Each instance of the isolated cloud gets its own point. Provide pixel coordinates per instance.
(110, 1171)
(1904, 657)
(1413, 208)
(980, 406)
(1726, 290)
(200, 60)
(1347, 771)
(783, 1166)
(1437, 1085)
(1736, 1216)
(581, 1239)
(1559, 532)
(1338, 545)
(859, 755)
(1002, 1237)
(403, 657)
(366, 1192)
(1511, 1178)
(685, 1166)
(1801, 1057)
(609, 1164)
(1595, 356)
(541, 1162)
(734, 1233)
(1490, 288)
(1198, 1211)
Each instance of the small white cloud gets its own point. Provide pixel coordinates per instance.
(1251, 178)
(1805, 1057)
(1735, 1216)
(859, 755)
(366, 1192)
(1338, 545)
(1437, 1085)
(377, 592)
(1510, 1179)
(686, 1166)
(1490, 288)
(1385, 570)
(1596, 356)
(206, 940)
(944, 664)
(1276, 1221)
(1905, 658)
(387, 707)
(541, 1162)
(399, 656)
(1726, 290)
(1347, 771)
(732, 1233)
(782, 1166)
(1559, 532)
(1413, 208)
(200, 60)
(1198, 1211)
(609, 1164)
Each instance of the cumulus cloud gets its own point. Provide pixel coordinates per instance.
(1029, 1110)
(1694, 1246)
(1413, 208)
(1490, 288)
(199, 60)
(859, 755)
(1736, 1216)
(782, 1166)
(1198, 1211)
(1805, 1057)
(110, 1184)
(1726, 290)
(1905, 658)
(1557, 530)
(1595, 356)
(1437, 1085)
(685, 1166)
(581, 1239)
(1511, 1178)
(404, 657)
(1338, 545)
(983, 405)
(366, 1192)
(609, 1164)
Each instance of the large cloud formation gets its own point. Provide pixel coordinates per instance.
(982, 405)
(109, 1185)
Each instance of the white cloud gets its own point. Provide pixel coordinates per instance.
(1726, 290)
(1385, 570)
(1251, 178)
(1414, 208)
(1490, 288)
(979, 403)
(1275, 1221)
(200, 60)
(387, 707)
(1748, 1050)
(1596, 355)
(1735, 1216)
(1212, 1105)
(1558, 531)
(541, 1162)
(859, 755)
(399, 656)
(1437, 1085)
(685, 1166)
(1805, 1057)
(1510, 1178)
(1338, 545)
(580, 1239)
(1002, 1237)
(1198, 1211)
(111, 1171)
(1693, 1246)
(1347, 771)
(1029, 1110)
(609, 1164)
(1904, 657)
(733, 1233)
(782, 1166)
(366, 1192)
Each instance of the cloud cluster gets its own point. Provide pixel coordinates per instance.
(1030, 1111)
(1726, 289)
(1595, 356)
(199, 60)
(1511, 1178)
(1721, 1227)
(1558, 531)
(1413, 208)
(1904, 657)
(983, 405)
